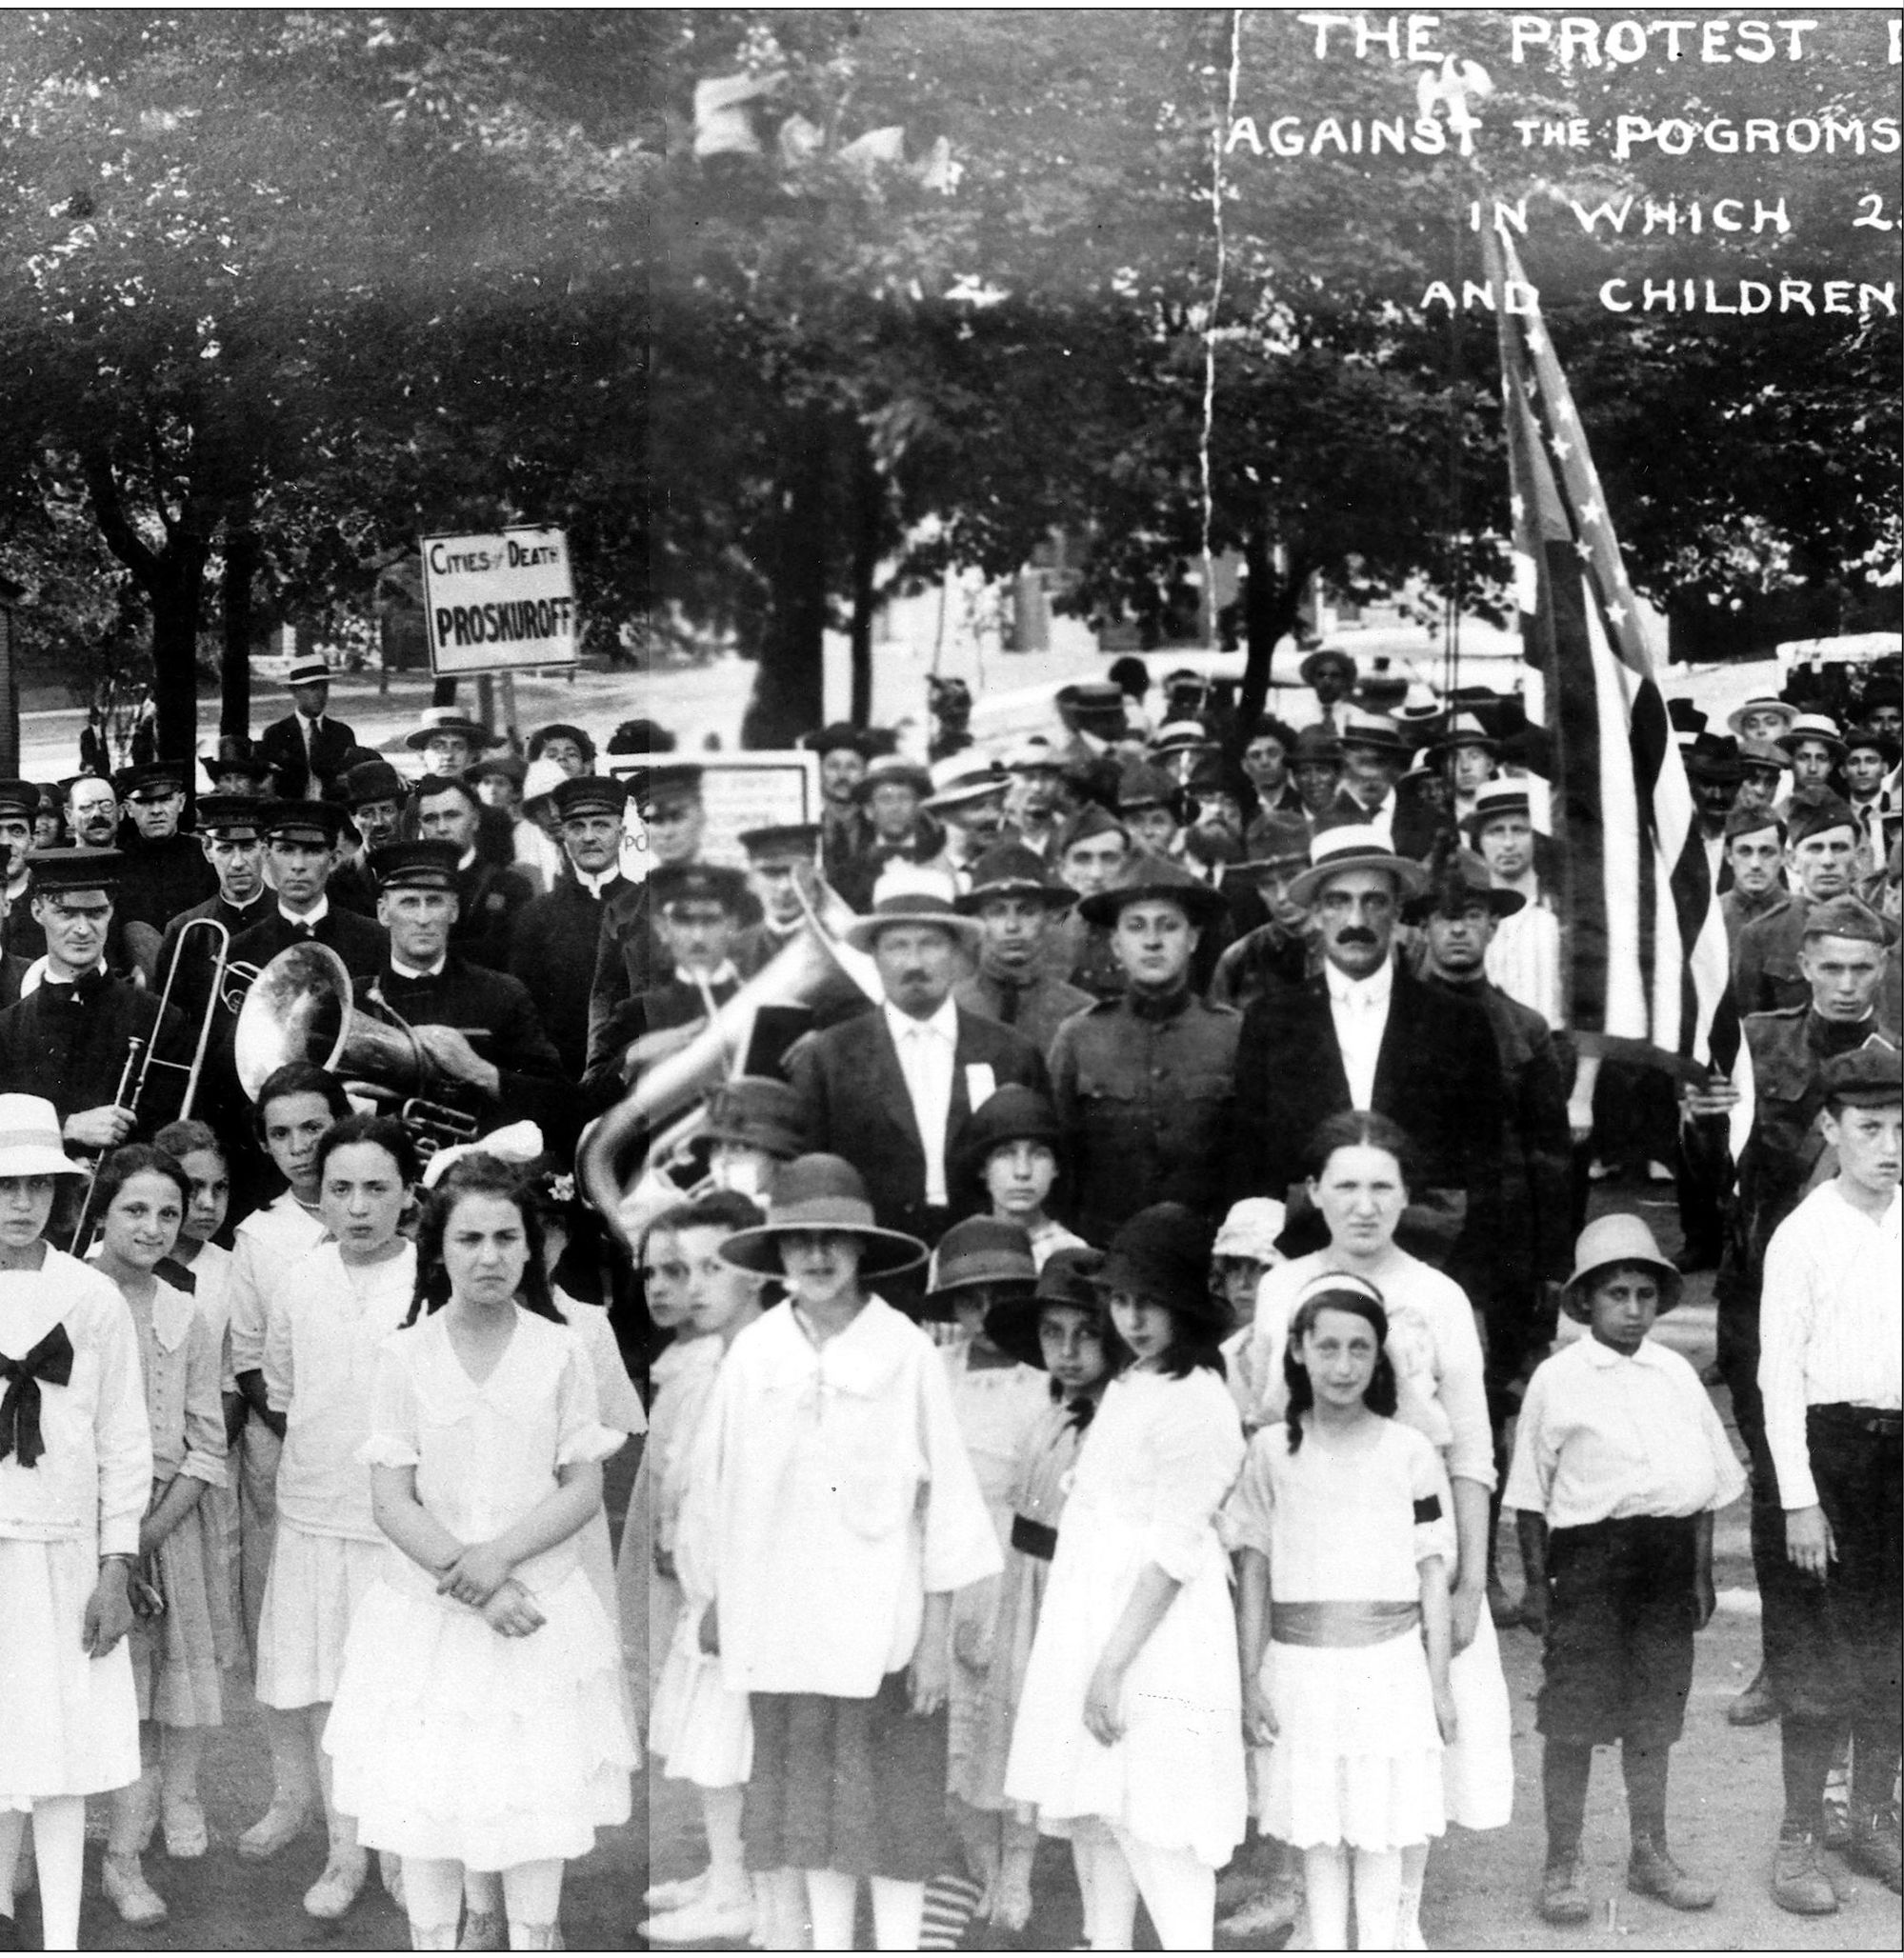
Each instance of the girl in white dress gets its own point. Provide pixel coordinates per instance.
(1359, 1181)
(1343, 1521)
(296, 1105)
(480, 1720)
(325, 1316)
(75, 1477)
(140, 1197)
(1130, 1725)
(199, 1152)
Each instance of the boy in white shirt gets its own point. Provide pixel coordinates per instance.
(1619, 1463)
(1831, 1334)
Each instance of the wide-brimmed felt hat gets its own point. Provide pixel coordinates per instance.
(641, 736)
(1163, 1252)
(757, 1112)
(1154, 880)
(1143, 786)
(1618, 1240)
(1010, 869)
(822, 1192)
(31, 1144)
(1458, 878)
(898, 906)
(1355, 847)
(1012, 1114)
(1069, 1278)
(981, 1250)
(1275, 843)
(511, 767)
(1820, 727)
(449, 720)
(1326, 656)
(232, 754)
(1760, 704)
(894, 767)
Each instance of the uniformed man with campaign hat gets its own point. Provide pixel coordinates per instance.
(1016, 900)
(553, 941)
(483, 1045)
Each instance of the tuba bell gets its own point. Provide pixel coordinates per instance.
(300, 1008)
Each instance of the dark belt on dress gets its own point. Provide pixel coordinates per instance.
(1035, 1539)
(1886, 1423)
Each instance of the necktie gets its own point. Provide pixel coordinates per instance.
(1008, 1003)
(50, 1360)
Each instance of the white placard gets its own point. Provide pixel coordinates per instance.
(739, 791)
(497, 604)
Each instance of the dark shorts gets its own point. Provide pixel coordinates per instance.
(1619, 1662)
(1848, 1667)
(855, 1786)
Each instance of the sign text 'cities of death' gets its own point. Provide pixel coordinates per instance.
(499, 603)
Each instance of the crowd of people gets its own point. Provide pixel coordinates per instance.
(1185, 1154)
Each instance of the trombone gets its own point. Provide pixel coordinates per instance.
(141, 1055)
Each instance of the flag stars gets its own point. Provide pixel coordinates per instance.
(1562, 448)
(1517, 503)
(1537, 340)
(1590, 513)
(1585, 551)
(1617, 612)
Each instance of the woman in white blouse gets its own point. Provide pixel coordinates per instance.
(75, 1474)
(1359, 1181)
(325, 1315)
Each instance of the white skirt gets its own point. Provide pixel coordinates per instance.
(68, 1725)
(701, 1731)
(1357, 1755)
(315, 1587)
(449, 1740)
(1176, 1780)
(1477, 1771)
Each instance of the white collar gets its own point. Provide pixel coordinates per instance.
(468, 858)
(723, 975)
(402, 971)
(944, 1022)
(32, 977)
(1374, 990)
(595, 882)
(1597, 1354)
(313, 918)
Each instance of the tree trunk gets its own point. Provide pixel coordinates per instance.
(175, 606)
(790, 683)
(869, 493)
(234, 672)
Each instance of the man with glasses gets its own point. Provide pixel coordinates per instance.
(70, 1036)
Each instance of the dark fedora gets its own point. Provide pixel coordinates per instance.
(1069, 1278)
(1154, 880)
(1163, 1252)
(1010, 1113)
(1712, 758)
(981, 1250)
(822, 1192)
(1458, 878)
(1316, 747)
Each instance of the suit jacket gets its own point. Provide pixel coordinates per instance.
(488, 898)
(159, 880)
(1437, 1073)
(352, 886)
(282, 746)
(854, 1104)
(532, 1086)
(553, 943)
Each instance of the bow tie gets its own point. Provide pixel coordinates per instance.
(51, 1361)
(1080, 1412)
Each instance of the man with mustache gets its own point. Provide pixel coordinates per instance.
(890, 1091)
(1364, 1033)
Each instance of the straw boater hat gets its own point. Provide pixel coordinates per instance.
(821, 1194)
(1069, 1278)
(1493, 799)
(309, 672)
(967, 776)
(29, 1139)
(1154, 880)
(894, 767)
(1812, 727)
(913, 895)
(449, 720)
(1618, 1240)
(1761, 703)
(1032, 751)
(982, 1251)
(1462, 730)
(1164, 1253)
(1360, 728)
(1355, 847)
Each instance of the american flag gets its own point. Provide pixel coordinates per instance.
(1645, 965)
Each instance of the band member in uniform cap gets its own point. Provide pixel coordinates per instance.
(478, 1030)
(305, 749)
(231, 834)
(1016, 899)
(554, 939)
(668, 799)
(300, 846)
(163, 871)
(1145, 1084)
(69, 1036)
(781, 861)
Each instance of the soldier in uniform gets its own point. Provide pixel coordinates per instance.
(489, 895)
(300, 846)
(1016, 901)
(1841, 956)
(478, 1032)
(553, 945)
(305, 749)
(165, 872)
(1821, 857)
(1276, 952)
(1756, 856)
(1093, 851)
(1144, 1085)
(230, 833)
(668, 799)
(67, 1040)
